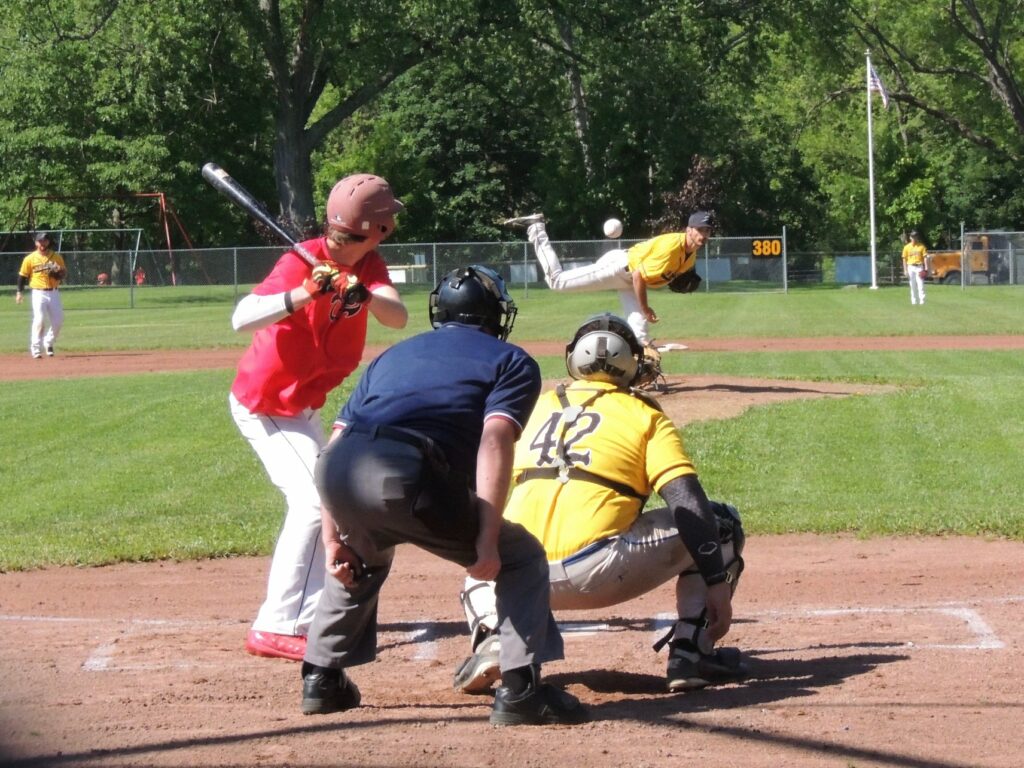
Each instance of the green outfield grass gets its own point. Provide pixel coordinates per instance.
(99, 470)
(197, 317)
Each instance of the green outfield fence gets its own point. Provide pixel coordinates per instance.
(726, 264)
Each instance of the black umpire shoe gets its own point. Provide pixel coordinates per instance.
(689, 669)
(538, 705)
(328, 691)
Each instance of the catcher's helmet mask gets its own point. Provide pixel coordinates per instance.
(605, 349)
(473, 295)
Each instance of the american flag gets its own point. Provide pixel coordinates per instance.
(875, 84)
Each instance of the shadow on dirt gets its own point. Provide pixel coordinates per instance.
(770, 680)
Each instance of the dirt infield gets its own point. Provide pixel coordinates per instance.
(884, 652)
(865, 653)
(67, 365)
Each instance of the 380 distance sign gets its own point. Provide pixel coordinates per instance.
(771, 246)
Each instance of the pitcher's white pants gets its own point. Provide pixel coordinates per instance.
(914, 273)
(48, 314)
(609, 273)
(288, 448)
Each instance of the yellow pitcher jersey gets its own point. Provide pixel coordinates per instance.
(661, 258)
(618, 437)
(35, 267)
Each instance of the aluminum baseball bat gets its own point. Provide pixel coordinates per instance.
(224, 183)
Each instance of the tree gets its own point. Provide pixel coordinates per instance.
(359, 49)
(105, 97)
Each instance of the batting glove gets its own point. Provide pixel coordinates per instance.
(322, 280)
(355, 293)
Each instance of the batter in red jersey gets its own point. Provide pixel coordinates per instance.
(309, 330)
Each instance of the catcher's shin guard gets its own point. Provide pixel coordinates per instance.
(478, 602)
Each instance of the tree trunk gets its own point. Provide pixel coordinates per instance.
(577, 96)
(293, 174)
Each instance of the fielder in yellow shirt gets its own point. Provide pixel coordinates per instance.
(588, 459)
(914, 267)
(668, 259)
(43, 270)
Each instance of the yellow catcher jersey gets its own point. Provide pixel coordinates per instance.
(36, 268)
(661, 258)
(914, 254)
(618, 437)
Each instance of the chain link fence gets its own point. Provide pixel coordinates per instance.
(726, 264)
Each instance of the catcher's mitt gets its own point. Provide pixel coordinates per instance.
(687, 282)
(650, 376)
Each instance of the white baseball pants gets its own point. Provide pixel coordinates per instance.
(48, 315)
(609, 273)
(289, 448)
(914, 277)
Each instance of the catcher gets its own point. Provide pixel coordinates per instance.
(666, 260)
(591, 454)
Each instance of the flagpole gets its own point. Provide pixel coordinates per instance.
(871, 177)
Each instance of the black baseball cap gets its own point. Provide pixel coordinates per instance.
(42, 236)
(699, 219)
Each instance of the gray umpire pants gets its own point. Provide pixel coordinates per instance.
(385, 487)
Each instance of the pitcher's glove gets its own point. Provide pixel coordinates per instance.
(687, 282)
(650, 376)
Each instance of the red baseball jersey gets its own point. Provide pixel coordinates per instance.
(294, 363)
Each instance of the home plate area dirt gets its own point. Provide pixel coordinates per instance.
(864, 652)
(883, 652)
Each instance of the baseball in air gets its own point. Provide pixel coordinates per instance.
(613, 228)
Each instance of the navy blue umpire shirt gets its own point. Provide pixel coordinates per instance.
(444, 383)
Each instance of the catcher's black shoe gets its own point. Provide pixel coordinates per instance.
(538, 705)
(689, 669)
(328, 691)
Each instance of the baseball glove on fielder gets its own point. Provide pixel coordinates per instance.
(687, 282)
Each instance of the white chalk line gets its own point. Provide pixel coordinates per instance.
(984, 638)
(172, 623)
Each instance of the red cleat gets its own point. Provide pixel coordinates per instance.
(275, 646)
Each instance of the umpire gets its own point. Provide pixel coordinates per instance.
(422, 454)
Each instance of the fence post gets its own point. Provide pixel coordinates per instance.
(965, 263)
(707, 267)
(526, 272)
(785, 262)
